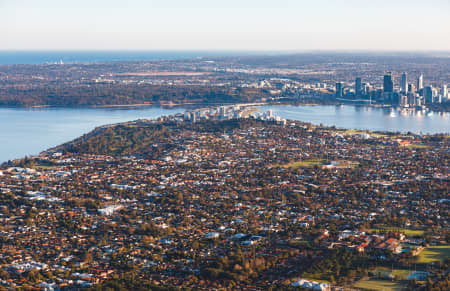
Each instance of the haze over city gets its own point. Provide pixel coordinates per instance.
(285, 25)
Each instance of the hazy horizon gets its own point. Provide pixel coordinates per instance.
(285, 52)
(199, 25)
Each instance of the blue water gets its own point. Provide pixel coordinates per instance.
(42, 57)
(25, 132)
(367, 118)
(30, 131)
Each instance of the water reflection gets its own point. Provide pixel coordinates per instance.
(366, 117)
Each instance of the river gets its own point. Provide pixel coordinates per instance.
(29, 131)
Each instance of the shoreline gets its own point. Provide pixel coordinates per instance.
(254, 105)
(251, 110)
(200, 105)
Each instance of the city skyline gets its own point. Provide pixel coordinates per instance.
(209, 25)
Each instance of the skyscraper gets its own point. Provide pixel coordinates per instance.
(428, 94)
(388, 84)
(358, 87)
(365, 89)
(339, 89)
(404, 83)
(420, 82)
(222, 111)
(411, 99)
(444, 91)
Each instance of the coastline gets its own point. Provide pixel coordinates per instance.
(158, 105)
(300, 117)
(200, 105)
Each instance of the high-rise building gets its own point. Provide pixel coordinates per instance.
(428, 94)
(388, 84)
(339, 89)
(222, 111)
(404, 83)
(420, 82)
(358, 87)
(444, 91)
(411, 99)
(411, 88)
(365, 89)
(418, 100)
(403, 100)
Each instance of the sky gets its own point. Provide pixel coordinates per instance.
(242, 25)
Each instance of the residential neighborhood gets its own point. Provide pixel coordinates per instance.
(227, 201)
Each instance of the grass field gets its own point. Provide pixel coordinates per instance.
(406, 231)
(434, 254)
(417, 146)
(305, 164)
(401, 273)
(41, 167)
(346, 164)
(376, 284)
(359, 132)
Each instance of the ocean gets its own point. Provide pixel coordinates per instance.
(43, 57)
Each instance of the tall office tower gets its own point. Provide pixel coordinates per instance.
(403, 100)
(444, 91)
(411, 88)
(420, 82)
(222, 111)
(358, 87)
(418, 100)
(411, 99)
(339, 89)
(388, 84)
(365, 89)
(428, 94)
(404, 83)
